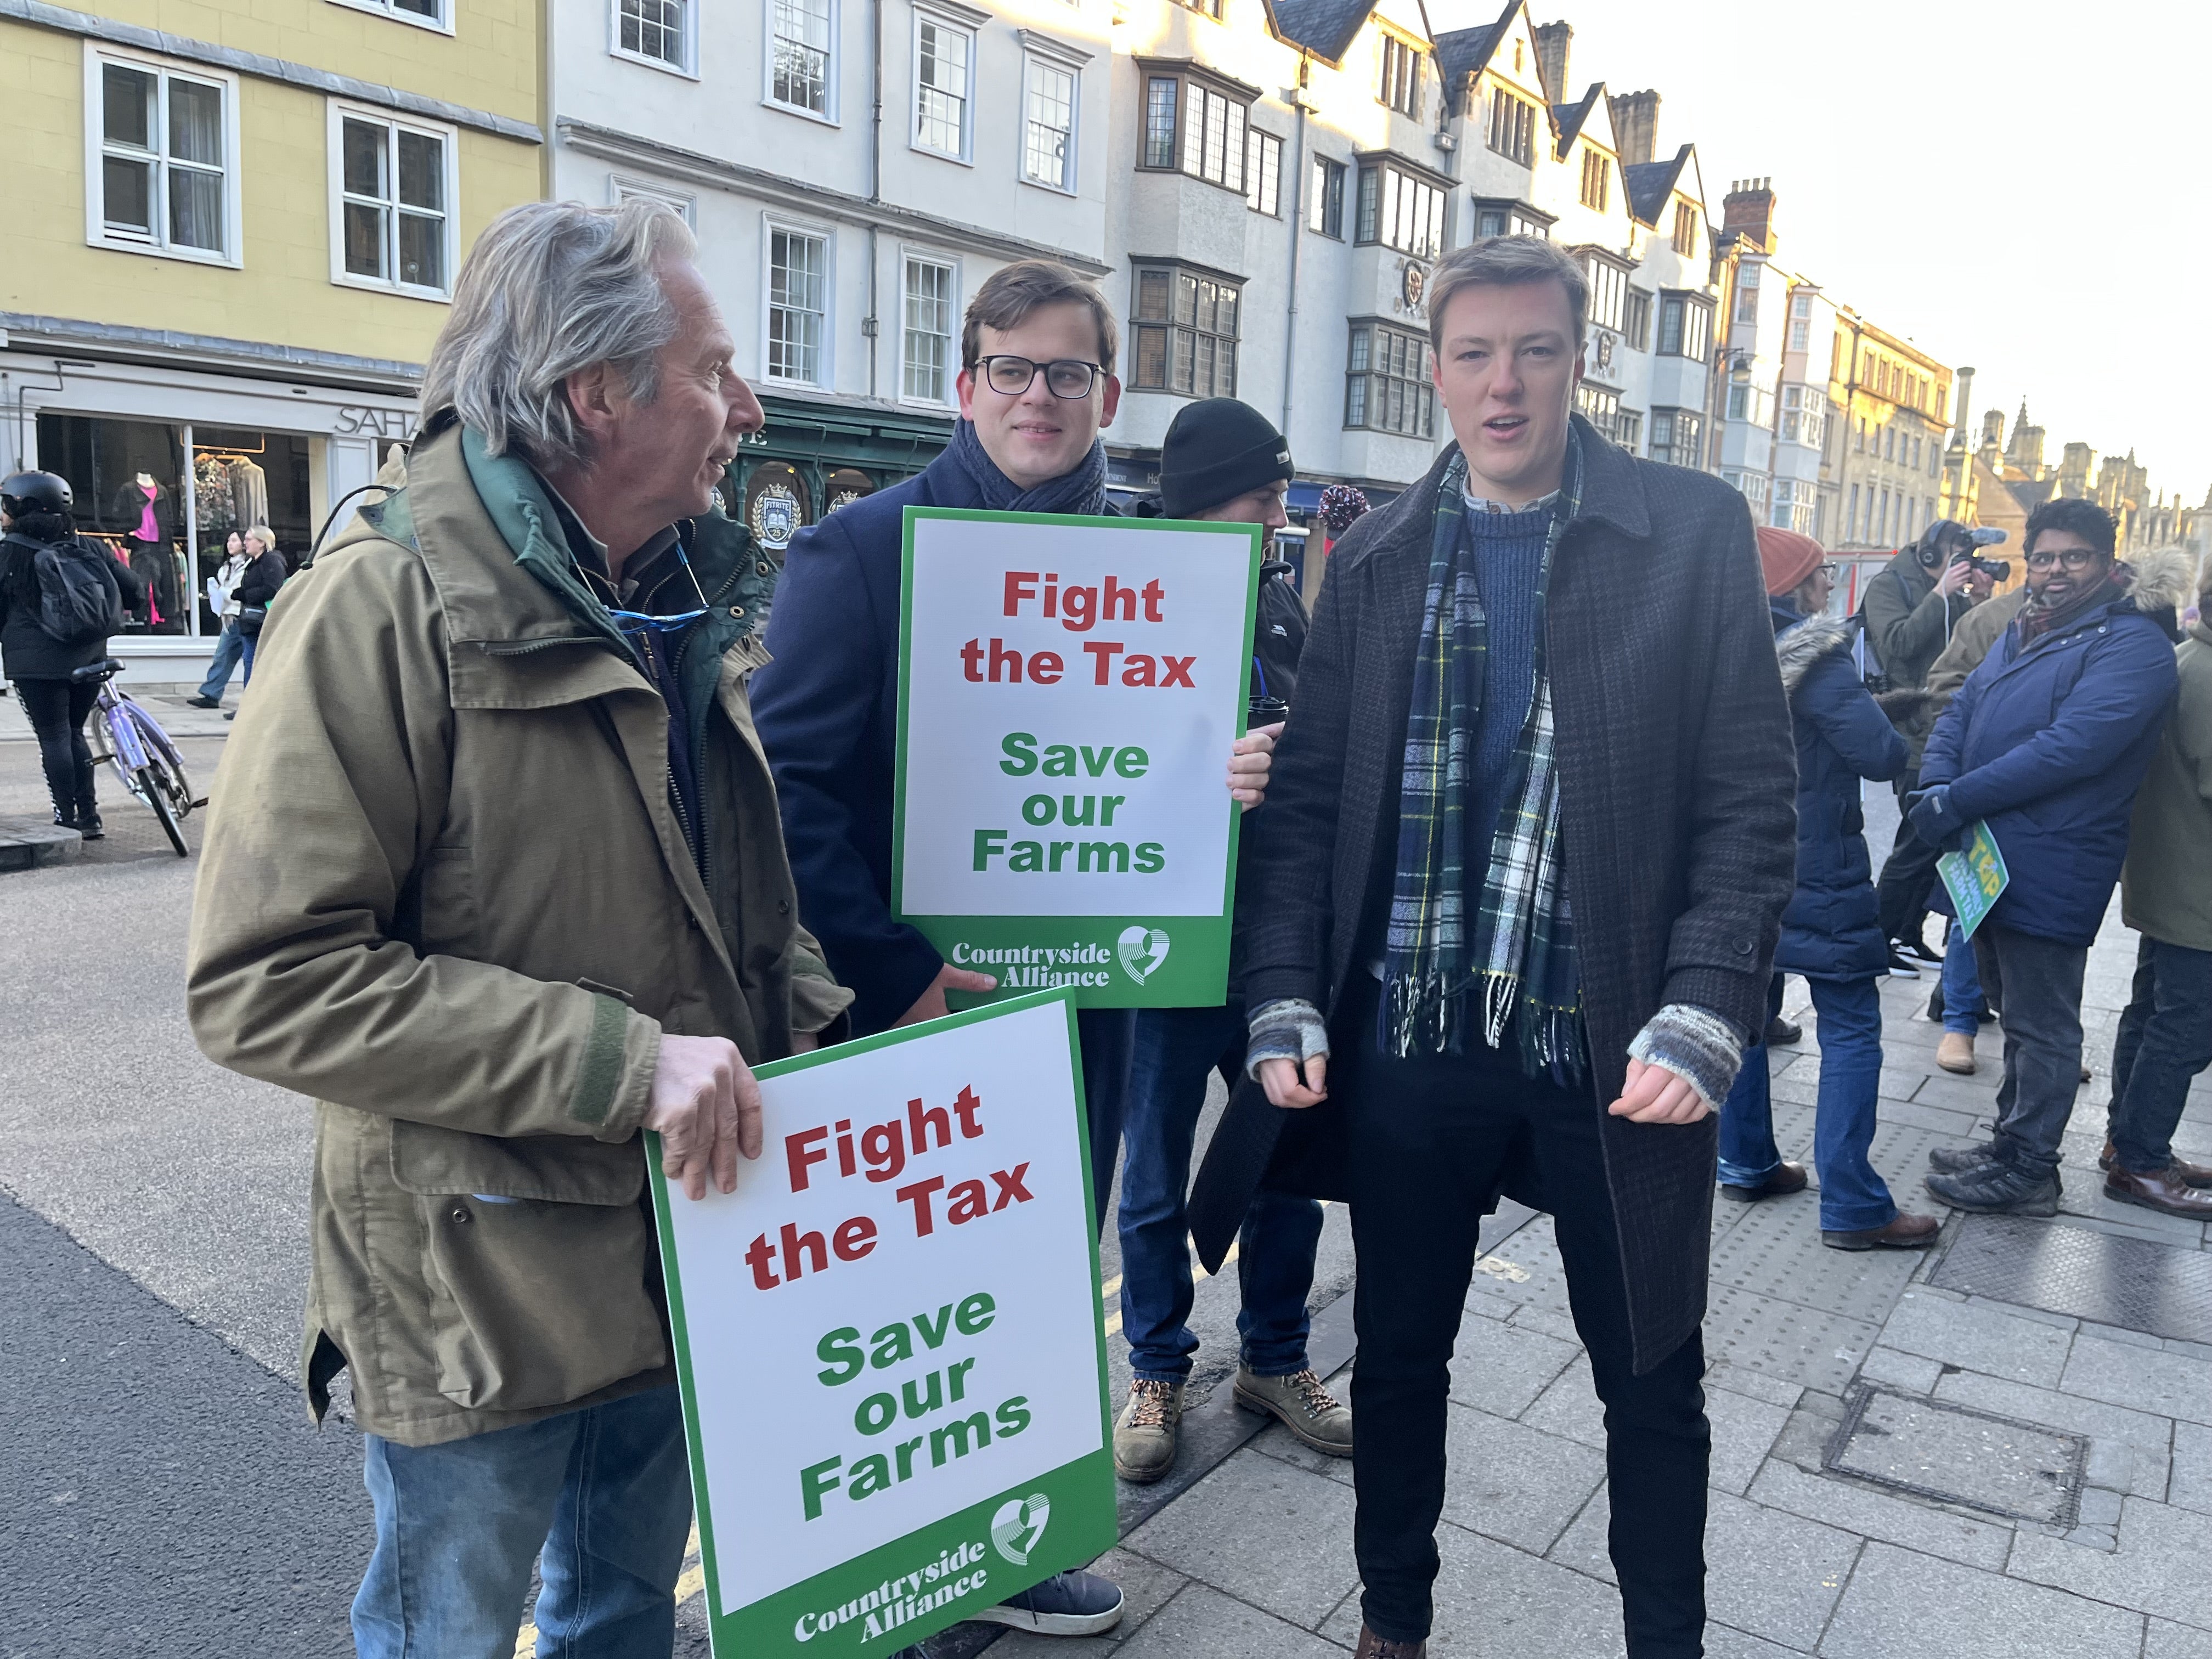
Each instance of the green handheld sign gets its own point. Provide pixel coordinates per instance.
(1070, 688)
(1975, 877)
(888, 1338)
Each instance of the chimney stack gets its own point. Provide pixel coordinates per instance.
(1635, 124)
(1748, 210)
(1964, 391)
(1552, 41)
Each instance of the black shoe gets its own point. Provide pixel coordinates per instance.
(1781, 1033)
(1935, 1005)
(1074, 1603)
(88, 825)
(1900, 962)
(198, 701)
(1998, 1188)
(1950, 1160)
(1780, 1181)
(64, 820)
(1918, 947)
(230, 713)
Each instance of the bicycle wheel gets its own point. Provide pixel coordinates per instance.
(161, 751)
(152, 788)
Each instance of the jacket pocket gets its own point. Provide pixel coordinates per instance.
(538, 1264)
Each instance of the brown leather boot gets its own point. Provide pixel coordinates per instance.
(1906, 1231)
(2196, 1175)
(2167, 1190)
(1782, 1180)
(1372, 1646)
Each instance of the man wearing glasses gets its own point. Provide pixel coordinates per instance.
(2047, 742)
(1036, 386)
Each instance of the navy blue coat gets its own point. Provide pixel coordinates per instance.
(1833, 928)
(2049, 745)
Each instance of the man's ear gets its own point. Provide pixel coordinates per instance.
(1110, 402)
(596, 398)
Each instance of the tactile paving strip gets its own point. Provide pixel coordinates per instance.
(1778, 1339)
(2129, 1282)
(1955, 1455)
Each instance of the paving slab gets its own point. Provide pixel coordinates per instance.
(2167, 1640)
(1946, 1453)
(2168, 1385)
(1910, 1523)
(1146, 1587)
(2159, 1567)
(1776, 1251)
(2190, 1481)
(1514, 1483)
(1721, 1642)
(1203, 1620)
(1502, 1369)
(1901, 1370)
(1784, 1340)
(1901, 1602)
(1977, 1338)
(2081, 1270)
(1496, 1602)
(2094, 1418)
(1744, 1430)
(1571, 1407)
(1274, 1535)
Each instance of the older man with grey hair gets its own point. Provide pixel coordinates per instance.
(494, 874)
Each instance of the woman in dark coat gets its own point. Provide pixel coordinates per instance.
(1831, 932)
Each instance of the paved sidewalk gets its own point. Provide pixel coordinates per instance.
(2076, 1450)
(165, 703)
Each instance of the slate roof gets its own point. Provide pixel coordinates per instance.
(1461, 53)
(1567, 118)
(1325, 28)
(1650, 183)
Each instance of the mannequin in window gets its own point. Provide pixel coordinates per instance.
(145, 511)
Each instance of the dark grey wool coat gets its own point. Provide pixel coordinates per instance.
(1677, 782)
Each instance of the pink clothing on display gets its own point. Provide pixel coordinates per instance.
(149, 530)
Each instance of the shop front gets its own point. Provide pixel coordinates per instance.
(812, 458)
(167, 459)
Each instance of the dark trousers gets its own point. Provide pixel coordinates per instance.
(56, 711)
(2164, 1039)
(1908, 875)
(1107, 1036)
(1177, 1051)
(2037, 983)
(1430, 1138)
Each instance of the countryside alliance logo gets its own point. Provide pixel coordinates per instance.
(1142, 949)
(1018, 1525)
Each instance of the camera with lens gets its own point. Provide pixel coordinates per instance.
(1998, 570)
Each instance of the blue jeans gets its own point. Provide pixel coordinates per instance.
(228, 646)
(1962, 984)
(2164, 1039)
(1852, 1196)
(1105, 1035)
(600, 1498)
(1176, 1050)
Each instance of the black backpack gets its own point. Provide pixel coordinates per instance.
(79, 602)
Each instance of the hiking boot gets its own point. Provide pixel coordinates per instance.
(1145, 1433)
(2196, 1175)
(1313, 1416)
(1955, 1052)
(1998, 1188)
(1372, 1646)
(1954, 1160)
(1072, 1603)
(197, 702)
(1782, 1180)
(1904, 1233)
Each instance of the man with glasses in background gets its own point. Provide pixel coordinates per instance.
(2047, 742)
(1036, 386)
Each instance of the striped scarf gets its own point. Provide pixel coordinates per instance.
(1518, 952)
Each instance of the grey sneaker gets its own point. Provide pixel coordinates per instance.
(1145, 1433)
(1998, 1189)
(1072, 1603)
(1953, 1160)
(1307, 1410)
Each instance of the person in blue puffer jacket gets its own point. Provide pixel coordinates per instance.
(1832, 933)
(2047, 742)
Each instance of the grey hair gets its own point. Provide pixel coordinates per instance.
(1506, 262)
(550, 289)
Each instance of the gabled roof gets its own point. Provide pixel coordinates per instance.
(1325, 28)
(1650, 183)
(1462, 54)
(1567, 120)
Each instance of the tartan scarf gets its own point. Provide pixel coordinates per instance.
(1516, 950)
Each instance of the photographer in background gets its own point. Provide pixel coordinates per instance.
(1910, 607)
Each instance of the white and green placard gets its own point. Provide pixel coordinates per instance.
(1975, 877)
(888, 1338)
(1070, 691)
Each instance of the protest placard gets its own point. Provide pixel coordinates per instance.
(888, 1338)
(1070, 690)
(1974, 876)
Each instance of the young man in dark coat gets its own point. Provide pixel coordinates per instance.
(1222, 461)
(1036, 385)
(2047, 742)
(1515, 897)
(1832, 931)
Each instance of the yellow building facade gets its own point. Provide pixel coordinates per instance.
(233, 232)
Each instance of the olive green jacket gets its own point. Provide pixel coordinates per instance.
(444, 893)
(2165, 889)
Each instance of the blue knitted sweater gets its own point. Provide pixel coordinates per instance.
(1509, 558)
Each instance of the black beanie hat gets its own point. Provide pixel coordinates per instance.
(1215, 449)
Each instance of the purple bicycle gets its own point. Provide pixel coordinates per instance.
(132, 741)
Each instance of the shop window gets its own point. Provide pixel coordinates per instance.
(776, 506)
(655, 32)
(1185, 332)
(1387, 386)
(391, 191)
(845, 485)
(166, 180)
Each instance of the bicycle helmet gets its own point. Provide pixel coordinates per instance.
(34, 492)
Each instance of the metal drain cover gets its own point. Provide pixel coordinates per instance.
(2021, 1471)
(2128, 1282)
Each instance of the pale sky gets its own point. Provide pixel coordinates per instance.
(2019, 187)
